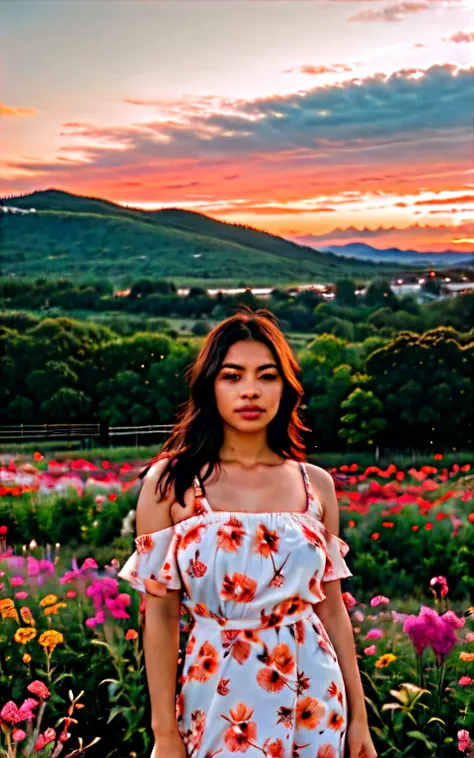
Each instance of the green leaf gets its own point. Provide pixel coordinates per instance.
(420, 736)
(116, 711)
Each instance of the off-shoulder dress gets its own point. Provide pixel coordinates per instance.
(260, 675)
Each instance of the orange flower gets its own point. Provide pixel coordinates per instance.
(131, 634)
(282, 658)
(26, 658)
(335, 721)
(239, 588)
(230, 535)
(242, 732)
(24, 634)
(270, 679)
(50, 639)
(144, 543)
(266, 541)
(207, 663)
(192, 535)
(309, 712)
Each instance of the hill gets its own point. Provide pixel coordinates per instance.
(56, 233)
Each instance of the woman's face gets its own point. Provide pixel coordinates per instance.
(249, 375)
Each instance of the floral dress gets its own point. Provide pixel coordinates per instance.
(260, 675)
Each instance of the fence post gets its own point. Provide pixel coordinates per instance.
(104, 434)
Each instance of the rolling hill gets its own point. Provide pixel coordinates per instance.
(57, 233)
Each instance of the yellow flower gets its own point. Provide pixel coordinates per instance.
(24, 634)
(50, 639)
(7, 602)
(26, 658)
(49, 600)
(10, 613)
(465, 656)
(385, 660)
(54, 608)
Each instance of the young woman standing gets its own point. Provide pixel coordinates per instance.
(231, 517)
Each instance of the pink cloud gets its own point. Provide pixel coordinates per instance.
(461, 37)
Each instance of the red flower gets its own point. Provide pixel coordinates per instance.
(3, 529)
(39, 689)
(112, 497)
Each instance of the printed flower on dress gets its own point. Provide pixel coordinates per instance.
(239, 737)
(239, 587)
(309, 712)
(144, 543)
(207, 663)
(230, 535)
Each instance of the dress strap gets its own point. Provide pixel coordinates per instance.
(313, 501)
(201, 505)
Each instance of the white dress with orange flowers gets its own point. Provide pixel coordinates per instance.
(260, 675)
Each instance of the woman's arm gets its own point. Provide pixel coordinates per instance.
(162, 617)
(332, 611)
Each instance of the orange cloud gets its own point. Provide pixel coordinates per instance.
(461, 37)
(13, 110)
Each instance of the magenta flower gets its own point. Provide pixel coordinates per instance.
(428, 628)
(374, 634)
(465, 681)
(439, 586)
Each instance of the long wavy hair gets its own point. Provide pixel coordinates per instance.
(198, 433)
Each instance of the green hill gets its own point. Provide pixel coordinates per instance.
(80, 236)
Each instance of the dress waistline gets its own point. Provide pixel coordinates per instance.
(265, 622)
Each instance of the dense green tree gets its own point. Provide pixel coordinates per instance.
(362, 419)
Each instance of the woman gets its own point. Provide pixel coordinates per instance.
(270, 667)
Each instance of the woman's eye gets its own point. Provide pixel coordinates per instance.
(264, 376)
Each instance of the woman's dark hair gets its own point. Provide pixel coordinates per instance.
(198, 434)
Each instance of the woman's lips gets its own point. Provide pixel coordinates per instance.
(250, 414)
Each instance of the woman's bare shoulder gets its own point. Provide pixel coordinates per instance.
(153, 510)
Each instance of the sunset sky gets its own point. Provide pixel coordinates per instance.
(328, 121)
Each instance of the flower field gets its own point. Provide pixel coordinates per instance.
(72, 679)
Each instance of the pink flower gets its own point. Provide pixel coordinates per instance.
(374, 634)
(39, 689)
(26, 709)
(15, 580)
(10, 713)
(464, 740)
(371, 650)
(48, 736)
(18, 734)
(465, 681)
(21, 595)
(428, 628)
(470, 637)
(439, 586)
(378, 599)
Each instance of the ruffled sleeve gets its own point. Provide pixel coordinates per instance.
(336, 550)
(153, 567)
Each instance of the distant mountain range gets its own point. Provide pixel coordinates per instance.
(55, 233)
(362, 251)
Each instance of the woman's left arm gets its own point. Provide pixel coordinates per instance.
(335, 618)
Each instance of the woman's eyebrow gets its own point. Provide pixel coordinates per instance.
(241, 368)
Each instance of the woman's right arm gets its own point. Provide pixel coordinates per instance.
(161, 627)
